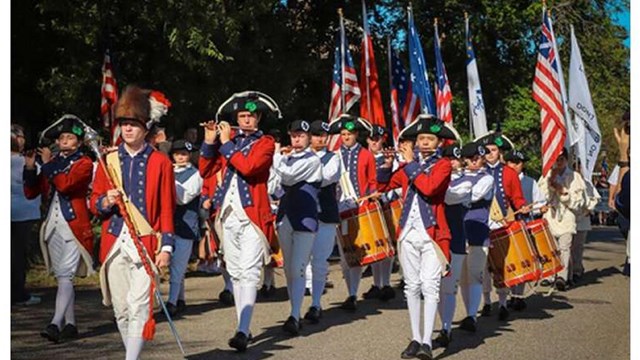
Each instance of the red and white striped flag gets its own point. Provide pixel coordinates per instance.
(109, 94)
(371, 101)
(344, 85)
(546, 92)
(443, 91)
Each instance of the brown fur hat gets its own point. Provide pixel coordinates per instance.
(133, 104)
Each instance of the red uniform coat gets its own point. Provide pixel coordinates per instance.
(159, 200)
(366, 171)
(253, 167)
(513, 188)
(432, 185)
(72, 184)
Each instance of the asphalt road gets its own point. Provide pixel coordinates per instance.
(590, 321)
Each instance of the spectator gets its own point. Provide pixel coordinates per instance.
(622, 197)
(25, 217)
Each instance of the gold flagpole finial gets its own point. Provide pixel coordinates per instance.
(435, 21)
(340, 12)
(466, 15)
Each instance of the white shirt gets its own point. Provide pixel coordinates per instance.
(292, 171)
(613, 178)
(414, 220)
(330, 170)
(190, 189)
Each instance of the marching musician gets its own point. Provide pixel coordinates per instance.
(564, 190)
(507, 194)
(145, 177)
(516, 160)
(357, 179)
(241, 200)
(188, 188)
(476, 230)
(300, 172)
(424, 234)
(381, 270)
(328, 218)
(66, 236)
(454, 212)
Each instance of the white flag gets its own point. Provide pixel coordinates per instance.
(477, 116)
(580, 103)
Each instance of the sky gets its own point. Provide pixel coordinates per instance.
(624, 19)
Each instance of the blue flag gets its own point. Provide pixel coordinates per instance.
(418, 74)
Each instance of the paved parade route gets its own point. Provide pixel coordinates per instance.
(590, 321)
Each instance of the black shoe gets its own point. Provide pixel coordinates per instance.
(349, 304)
(387, 293)
(367, 272)
(171, 309)
(443, 339)
(561, 285)
(226, 297)
(181, 305)
(292, 326)
(239, 341)
(307, 292)
(69, 331)
(486, 310)
(51, 332)
(267, 292)
(576, 278)
(468, 324)
(313, 315)
(503, 314)
(519, 304)
(411, 351)
(545, 282)
(425, 352)
(373, 293)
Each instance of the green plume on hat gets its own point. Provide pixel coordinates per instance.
(76, 130)
(499, 141)
(435, 128)
(349, 125)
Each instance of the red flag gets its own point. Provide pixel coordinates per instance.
(109, 94)
(371, 101)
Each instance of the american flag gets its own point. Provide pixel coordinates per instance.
(400, 87)
(443, 91)
(347, 87)
(109, 94)
(418, 69)
(546, 92)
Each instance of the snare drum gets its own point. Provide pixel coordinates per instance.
(363, 235)
(547, 249)
(512, 257)
(392, 212)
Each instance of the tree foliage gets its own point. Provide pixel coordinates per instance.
(199, 52)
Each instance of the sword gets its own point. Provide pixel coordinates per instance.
(172, 326)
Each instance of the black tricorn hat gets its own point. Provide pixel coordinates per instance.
(349, 122)
(252, 101)
(428, 124)
(495, 138)
(67, 124)
(377, 130)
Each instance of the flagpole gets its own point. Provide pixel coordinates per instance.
(466, 34)
(365, 30)
(342, 54)
(390, 65)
